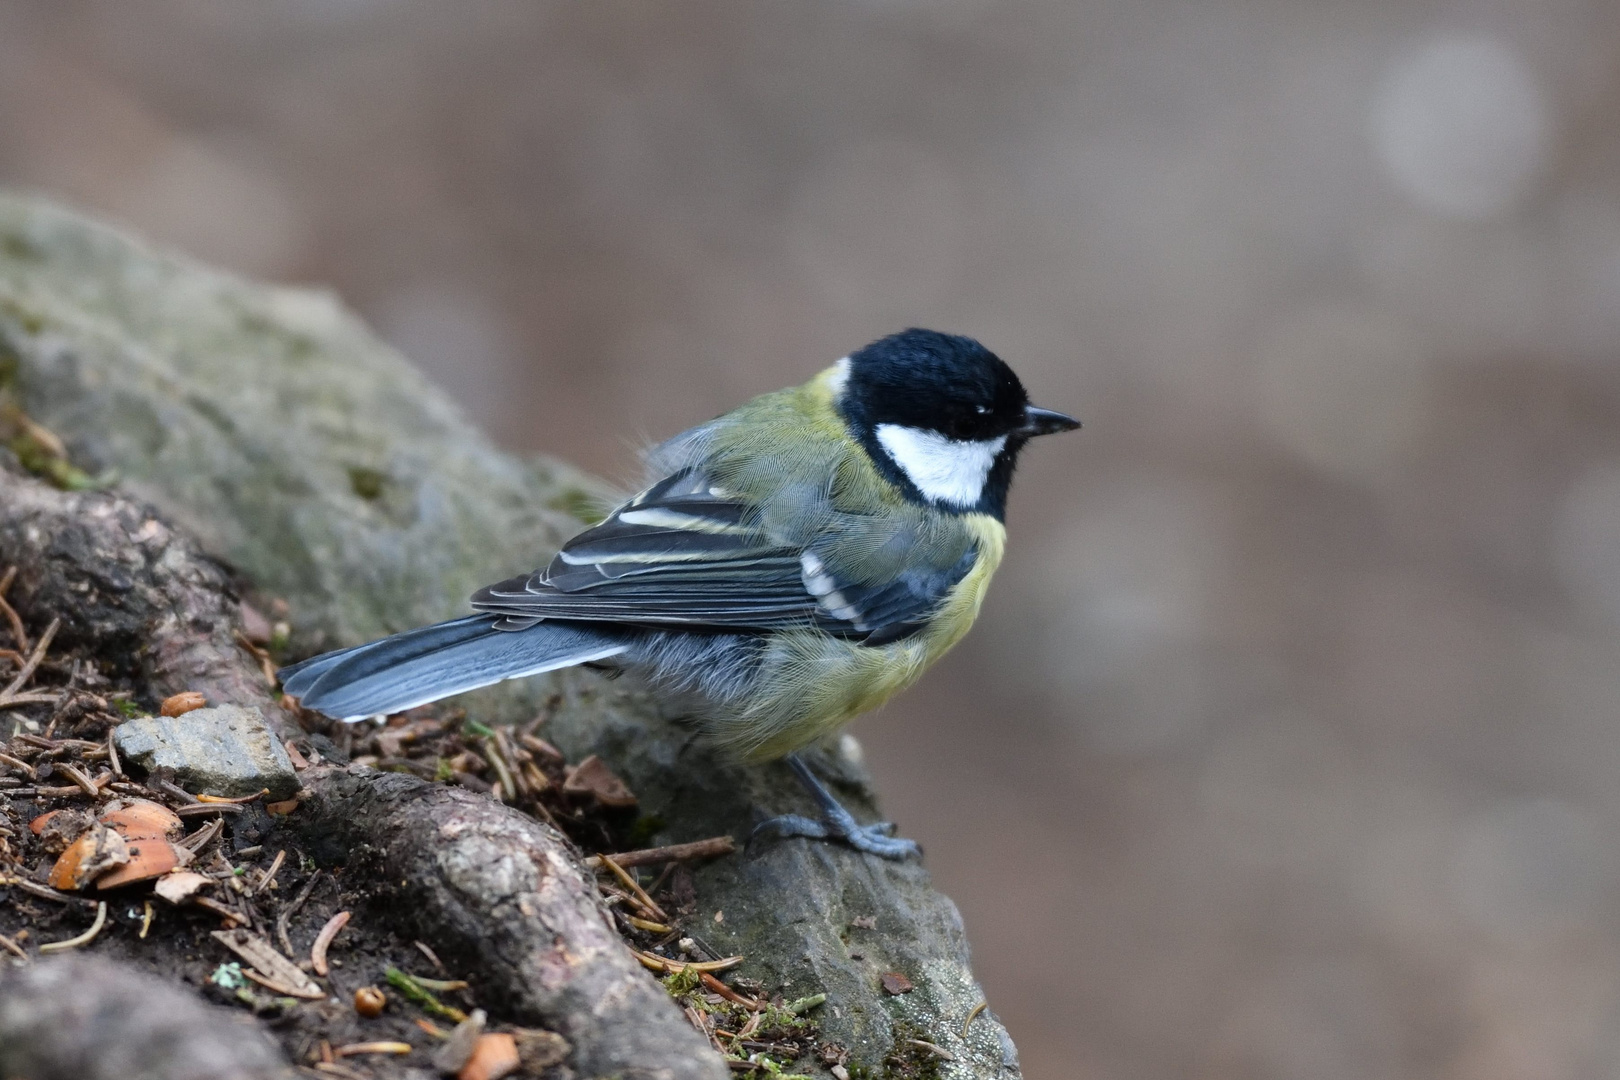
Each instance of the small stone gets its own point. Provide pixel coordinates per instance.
(225, 750)
(864, 922)
(895, 983)
(540, 1050)
(592, 777)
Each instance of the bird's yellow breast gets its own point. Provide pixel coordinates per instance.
(812, 684)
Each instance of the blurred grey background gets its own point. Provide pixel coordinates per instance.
(1288, 745)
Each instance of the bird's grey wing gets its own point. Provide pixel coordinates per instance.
(685, 553)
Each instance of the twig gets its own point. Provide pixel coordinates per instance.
(199, 839)
(269, 875)
(15, 949)
(938, 1051)
(235, 918)
(713, 847)
(372, 1048)
(323, 940)
(18, 634)
(660, 963)
(17, 763)
(503, 774)
(112, 756)
(728, 993)
(977, 1009)
(44, 892)
(221, 800)
(168, 787)
(282, 988)
(83, 939)
(634, 886)
(432, 956)
(85, 784)
(37, 697)
(197, 809)
(291, 909)
(34, 659)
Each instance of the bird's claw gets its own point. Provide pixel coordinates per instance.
(836, 823)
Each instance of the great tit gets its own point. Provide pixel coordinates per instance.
(797, 561)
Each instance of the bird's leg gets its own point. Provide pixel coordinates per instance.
(835, 823)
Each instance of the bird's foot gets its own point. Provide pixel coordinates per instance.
(836, 823)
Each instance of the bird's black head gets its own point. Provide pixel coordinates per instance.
(942, 417)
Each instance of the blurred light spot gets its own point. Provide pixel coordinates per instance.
(458, 338)
(1530, 868)
(1587, 546)
(1342, 387)
(1462, 127)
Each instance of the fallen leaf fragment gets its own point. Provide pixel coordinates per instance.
(182, 703)
(142, 819)
(495, 1056)
(592, 777)
(895, 983)
(283, 808)
(263, 956)
(94, 853)
(181, 885)
(148, 859)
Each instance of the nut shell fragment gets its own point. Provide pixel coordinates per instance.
(59, 828)
(148, 859)
(87, 858)
(182, 703)
(494, 1056)
(142, 819)
(181, 885)
(369, 1001)
(592, 777)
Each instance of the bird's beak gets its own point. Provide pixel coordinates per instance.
(1045, 422)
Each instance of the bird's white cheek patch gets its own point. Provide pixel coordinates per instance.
(943, 469)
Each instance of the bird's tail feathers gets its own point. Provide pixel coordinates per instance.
(433, 662)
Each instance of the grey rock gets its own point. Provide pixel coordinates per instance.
(85, 1018)
(312, 457)
(226, 750)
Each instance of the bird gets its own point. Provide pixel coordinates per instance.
(795, 562)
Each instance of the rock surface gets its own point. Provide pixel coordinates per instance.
(226, 750)
(315, 460)
(78, 1018)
